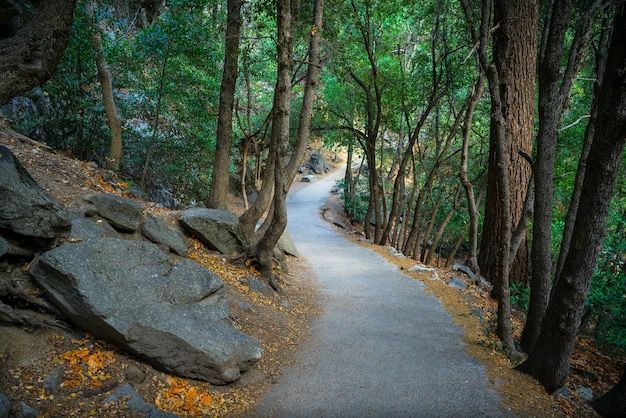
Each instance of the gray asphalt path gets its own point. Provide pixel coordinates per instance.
(381, 347)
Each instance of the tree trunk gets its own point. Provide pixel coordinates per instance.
(514, 54)
(554, 93)
(31, 57)
(251, 217)
(106, 85)
(280, 137)
(499, 169)
(613, 403)
(572, 210)
(223, 143)
(314, 68)
(472, 207)
(549, 362)
(432, 248)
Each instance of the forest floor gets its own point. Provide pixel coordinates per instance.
(92, 368)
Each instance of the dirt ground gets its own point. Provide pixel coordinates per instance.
(91, 369)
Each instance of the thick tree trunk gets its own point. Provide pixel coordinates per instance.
(549, 362)
(499, 153)
(613, 403)
(31, 56)
(572, 210)
(514, 52)
(554, 93)
(223, 143)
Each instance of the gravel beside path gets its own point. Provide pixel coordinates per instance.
(381, 347)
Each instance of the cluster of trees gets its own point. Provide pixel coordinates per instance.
(494, 128)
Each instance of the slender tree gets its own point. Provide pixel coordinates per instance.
(221, 163)
(106, 85)
(280, 137)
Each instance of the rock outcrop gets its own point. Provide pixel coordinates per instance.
(219, 230)
(113, 275)
(318, 164)
(124, 214)
(173, 315)
(29, 217)
(171, 239)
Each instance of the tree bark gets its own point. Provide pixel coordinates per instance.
(499, 170)
(572, 210)
(549, 362)
(554, 93)
(514, 54)
(31, 56)
(280, 137)
(314, 68)
(223, 143)
(472, 207)
(613, 403)
(106, 85)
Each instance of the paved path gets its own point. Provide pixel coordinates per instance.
(381, 347)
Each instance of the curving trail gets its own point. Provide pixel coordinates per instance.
(381, 347)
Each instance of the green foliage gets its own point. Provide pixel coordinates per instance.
(520, 295)
(605, 310)
(355, 205)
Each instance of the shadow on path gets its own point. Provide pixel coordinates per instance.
(381, 347)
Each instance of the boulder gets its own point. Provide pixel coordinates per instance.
(219, 230)
(173, 315)
(457, 283)
(26, 209)
(84, 229)
(317, 163)
(286, 245)
(465, 269)
(122, 213)
(158, 232)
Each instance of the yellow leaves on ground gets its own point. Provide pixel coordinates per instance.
(220, 266)
(87, 365)
(181, 397)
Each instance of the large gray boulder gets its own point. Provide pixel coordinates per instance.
(84, 229)
(317, 163)
(122, 213)
(26, 209)
(158, 232)
(173, 315)
(219, 230)
(286, 245)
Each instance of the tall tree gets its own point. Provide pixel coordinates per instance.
(30, 57)
(263, 204)
(549, 362)
(221, 163)
(555, 88)
(511, 86)
(514, 55)
(280, 136)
